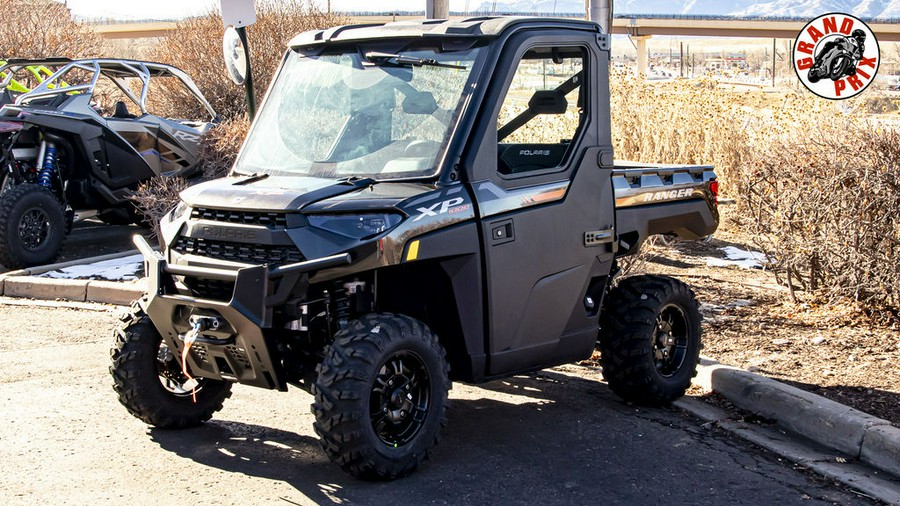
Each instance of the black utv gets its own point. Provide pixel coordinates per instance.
(416, 203)
(83, 139)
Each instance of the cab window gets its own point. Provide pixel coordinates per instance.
(543, 111)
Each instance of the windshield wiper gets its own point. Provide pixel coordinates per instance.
(399, 59)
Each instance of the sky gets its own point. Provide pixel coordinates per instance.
(168, 9)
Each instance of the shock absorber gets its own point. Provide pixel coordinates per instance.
(48, 167)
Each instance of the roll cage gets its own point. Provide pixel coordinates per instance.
(116, 70)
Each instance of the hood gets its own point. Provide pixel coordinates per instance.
(262, 193)
(293, 193)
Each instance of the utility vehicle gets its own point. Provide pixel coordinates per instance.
(416, 202)
(82, 139)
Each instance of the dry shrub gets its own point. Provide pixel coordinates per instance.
(824, 205)
(218, 149)
(44, 28)
(816, 184)
(196, 48)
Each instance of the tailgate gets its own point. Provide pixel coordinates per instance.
(638, 184)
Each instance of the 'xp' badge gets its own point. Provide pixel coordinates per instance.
(836, 56)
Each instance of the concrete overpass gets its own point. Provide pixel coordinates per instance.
(722, 27)
(641, 28)
(638, 26)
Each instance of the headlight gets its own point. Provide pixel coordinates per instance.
(356, 226)
(180, 210)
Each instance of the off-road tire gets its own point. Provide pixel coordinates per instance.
(348, 397)
(22, 207)
(634, 325)
(136, 379)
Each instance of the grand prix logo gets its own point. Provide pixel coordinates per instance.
(836, 56)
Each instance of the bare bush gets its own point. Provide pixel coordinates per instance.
(196, 47)
(684, 121)
(44, 28)
(824, 205)
(816, 185)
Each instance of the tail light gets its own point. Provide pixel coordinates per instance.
(714, 189)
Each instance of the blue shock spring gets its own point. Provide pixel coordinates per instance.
(48, 168)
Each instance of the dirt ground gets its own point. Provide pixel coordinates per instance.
(751, 322)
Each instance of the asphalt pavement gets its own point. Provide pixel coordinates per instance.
(554, 437)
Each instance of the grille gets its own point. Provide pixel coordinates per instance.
(244, 217)
(238, 252)
(238, 355)
(210, 288)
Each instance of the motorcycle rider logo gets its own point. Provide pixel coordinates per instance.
(836, 56)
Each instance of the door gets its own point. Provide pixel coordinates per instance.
(546, 204)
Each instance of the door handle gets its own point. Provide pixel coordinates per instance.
(598, 237)
(502, 232)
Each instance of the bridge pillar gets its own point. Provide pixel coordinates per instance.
(641, 41)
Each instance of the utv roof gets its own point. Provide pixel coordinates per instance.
(114, 68)
(480, 27)
(109, 66)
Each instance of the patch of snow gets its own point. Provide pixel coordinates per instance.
(738, 257)
(118, 269)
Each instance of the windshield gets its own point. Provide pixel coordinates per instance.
(378, 115)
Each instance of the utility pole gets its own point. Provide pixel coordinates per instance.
(600, 11)
(437, 9)
(681, 59)
(773, 63)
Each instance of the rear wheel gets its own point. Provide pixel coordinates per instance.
(148, 378)
(650, 339)
(381, 396)
(32, 226)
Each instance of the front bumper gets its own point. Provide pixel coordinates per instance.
(238, 350)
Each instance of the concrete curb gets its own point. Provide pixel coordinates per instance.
(859, 435)
(26, 283)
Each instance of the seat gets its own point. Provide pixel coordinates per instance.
(121, 111)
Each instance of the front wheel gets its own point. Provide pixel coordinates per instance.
(381, 396)
(650, 339)
(148, 378)
(838, 68)
(32, 226)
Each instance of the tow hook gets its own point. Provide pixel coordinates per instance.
(189, 338)
(202, 323)
(198, 325)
